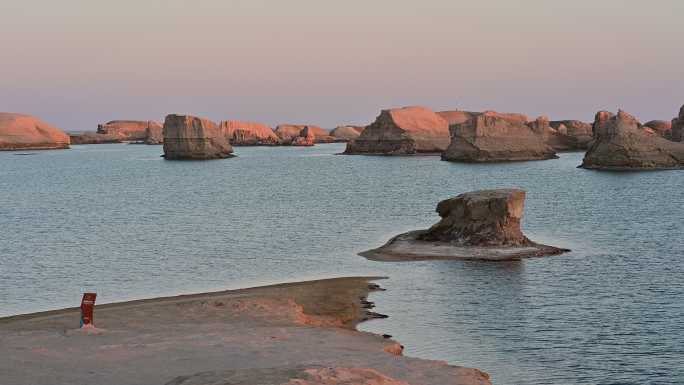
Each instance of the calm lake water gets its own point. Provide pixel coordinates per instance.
(119, 220)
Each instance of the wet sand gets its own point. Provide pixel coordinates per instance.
(296, 334)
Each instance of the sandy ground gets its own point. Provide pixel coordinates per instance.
(295, 334)
(405, 247)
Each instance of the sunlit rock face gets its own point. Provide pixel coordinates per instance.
(403, 131)
(190, 137)
(128, 130)
(621, 143)
(288, 132)
(346, 133)
(661, 128)
(23, 132)
(495, 137)
(242, 133)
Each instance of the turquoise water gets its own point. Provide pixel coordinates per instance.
(119, 220)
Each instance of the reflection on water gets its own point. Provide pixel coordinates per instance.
(119, 220)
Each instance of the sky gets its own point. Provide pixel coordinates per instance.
(77, 63)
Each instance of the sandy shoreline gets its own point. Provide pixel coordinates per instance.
(293, 333)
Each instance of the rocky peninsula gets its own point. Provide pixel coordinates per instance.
(296, 333)
(25, 132)
(193, 138)
(494, 137)
(478, 225)
(403, 131)
(620, 143)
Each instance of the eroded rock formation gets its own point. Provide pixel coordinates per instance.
(306, 137)
(189, 137)
(403, 131)
(346, 133)
(475, 225)
(678, 127)
(128, 130)
(569, 135)
(25, 132)
(241, 133)
(154, 134)
(620, 143)
(288, 132)
(495, 137)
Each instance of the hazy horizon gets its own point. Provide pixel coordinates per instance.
(77, 63)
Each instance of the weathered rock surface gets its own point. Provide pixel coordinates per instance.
(288, 132)
(25, 132)
(620, 143)
(346, 133)
(154, 134)
(456, 116)
(495, 137)
(128, 130)
(93, 138)
(568, 135)
(242, 133)
(403, 131)
(661, 128)
(475, 225)
(189, 137)
(678, 127)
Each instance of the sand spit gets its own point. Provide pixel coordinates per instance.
(295, 333)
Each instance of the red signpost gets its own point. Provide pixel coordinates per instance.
(87, 307)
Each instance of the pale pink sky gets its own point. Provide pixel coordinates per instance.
(76, 63)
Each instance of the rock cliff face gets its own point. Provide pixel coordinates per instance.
(241, 133)
(189, 137)
(346, 133)
(128, 130)
(93, 138)
(24, 132)
(475, 225)
(494, 137)
(661, 128)
(620, 143)
(403, 131)
(456, 116)
(678, 127)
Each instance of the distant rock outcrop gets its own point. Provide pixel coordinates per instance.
(495, 137)
(403, 131)
(456, 116)
(476, 225)
(620, 143)
(306, 138)
(346, 133)
(288, 132)
(189, 137)
(661, 128)
(154, 134)
(93, 138)
(568, 135)
(678, 127)
(128, 130)
(25, 132)
(242, 133)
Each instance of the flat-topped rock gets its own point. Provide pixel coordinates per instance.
(403, 131)
(346, 133)
(128, 130)
(154, 134)
(475, 225)
(242, 133)
(93, 138)
(495, 137)
(620, 143)
(25, 132)
(456, 116)
(190, 137)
